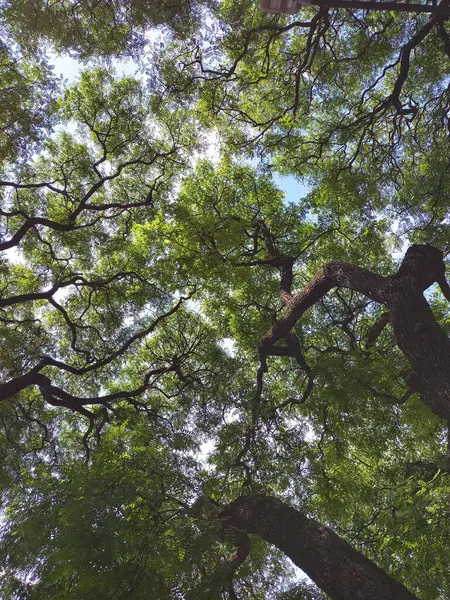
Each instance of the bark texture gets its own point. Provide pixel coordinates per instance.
(418, 334)
(338, 569)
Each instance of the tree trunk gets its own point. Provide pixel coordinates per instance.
(338, 569)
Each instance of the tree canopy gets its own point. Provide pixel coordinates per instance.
(203, 382)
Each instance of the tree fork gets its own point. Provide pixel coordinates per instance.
(418, 334)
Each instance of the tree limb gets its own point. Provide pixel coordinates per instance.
(417, 332)
(338, 569)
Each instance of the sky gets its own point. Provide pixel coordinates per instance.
(69, 68)
(294, 190)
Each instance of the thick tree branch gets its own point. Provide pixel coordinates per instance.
(377, 328)
(405, 57)
(338, 569)
(445, 37)
(417, 332)
(56, 396)
(331, 275)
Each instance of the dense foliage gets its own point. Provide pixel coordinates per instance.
(143, 238)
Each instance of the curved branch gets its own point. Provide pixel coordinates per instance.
(377, 328)
(77, 280)
(418, 334)
(34, 377)
(83, 204)
(331, 275)
(56, 396)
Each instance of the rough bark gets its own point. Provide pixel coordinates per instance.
(416, 331)
(337, 568)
